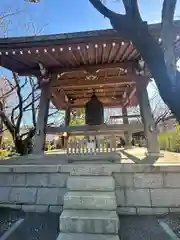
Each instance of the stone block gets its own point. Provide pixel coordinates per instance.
(148, 180)
(6, 169)
(124, 179)
(120, 197)
(138, 197)
(4, 194)
(152, 211)
(56, 209)
(35, 208)
(36, 180)
(139, 168)
(85, 236)
(12, 206)
(10, 179)
(90, 200)
(172, 180)
(174, 210)
(50, 196)
(18, 180)
(23, 195)
(36, 168)
(87, 169)
(169, 168)
(90, 183)
(47, 196)
(126, 210)
(165, 197)
(89, 221)
(5, 179)
(58, 180)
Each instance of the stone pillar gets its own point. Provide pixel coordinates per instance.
(147, 119)
(39, 138)
(127, 135)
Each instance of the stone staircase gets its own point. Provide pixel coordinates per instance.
(89, 209)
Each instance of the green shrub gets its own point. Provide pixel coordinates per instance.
(3, 154)
(170, 141)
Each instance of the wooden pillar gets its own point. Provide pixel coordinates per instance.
(67, 117)
(127, 135)
(147, 119)
(39, 139)
(67, 122)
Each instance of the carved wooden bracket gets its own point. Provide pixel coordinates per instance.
(44, 74)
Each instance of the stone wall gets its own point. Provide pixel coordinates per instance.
(140, 189)
(34, 189)
(148, 190)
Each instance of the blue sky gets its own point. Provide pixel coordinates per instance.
(70, 15)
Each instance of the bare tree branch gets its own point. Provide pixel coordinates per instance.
(29, 104)
(10, 14)
(20, 106)
(53, 113)
(6, 121)
(103, 9)
(132, 9)
(33, 101)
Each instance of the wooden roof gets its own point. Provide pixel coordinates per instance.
(81, 64)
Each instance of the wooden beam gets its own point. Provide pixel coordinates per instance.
(84, 129)
(82, 83)
(107, 104)
(82, 95)
(125, 116)
(89, 68)
(108, 89)
(112, 104)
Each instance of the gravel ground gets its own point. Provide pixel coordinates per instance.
(173, 221)
(46, 226)
(8, 218)
(37, 227)
(141, 228)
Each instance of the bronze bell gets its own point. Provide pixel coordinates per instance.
(94, 111)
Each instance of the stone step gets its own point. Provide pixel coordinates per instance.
(90, 183)
(89, 221)
(90, 200)
(84, 236)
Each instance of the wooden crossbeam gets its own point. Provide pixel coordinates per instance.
(82, 83)
(125, 116)
(89, 68)
(84, 129)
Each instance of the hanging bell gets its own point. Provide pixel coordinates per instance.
(94, 111)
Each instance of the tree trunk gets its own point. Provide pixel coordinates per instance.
(153, 55)
(23, 147)
(131, 27)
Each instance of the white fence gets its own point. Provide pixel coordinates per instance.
(84, 147)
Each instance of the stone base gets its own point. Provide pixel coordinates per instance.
(147, 154)
(84, 236)
(128, 147)
(94, 157)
